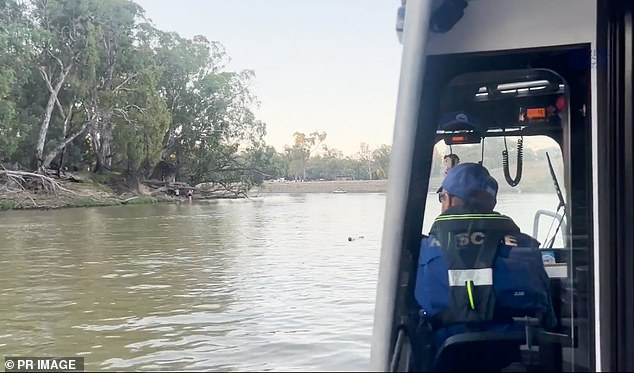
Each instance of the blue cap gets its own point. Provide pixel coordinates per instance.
(457, 120)
(467, 178)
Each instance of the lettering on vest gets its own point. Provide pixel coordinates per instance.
(434, 242)
(510, 240)
(464, 239)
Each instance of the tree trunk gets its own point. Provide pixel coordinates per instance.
(52, 98)
(51, 155)
(102, 141)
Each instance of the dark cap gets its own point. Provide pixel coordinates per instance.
(470, 181)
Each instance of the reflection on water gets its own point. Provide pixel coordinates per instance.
(269, 283)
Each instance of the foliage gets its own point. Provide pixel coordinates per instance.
(303, 147)
(296, 163)
(94, 85)
(14, 57)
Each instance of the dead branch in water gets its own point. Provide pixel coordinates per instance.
(125, 201)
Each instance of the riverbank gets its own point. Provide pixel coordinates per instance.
(535, 179)
(349, 186)
(21, 190)
(68, 194)
(88, 190)
(99, 192)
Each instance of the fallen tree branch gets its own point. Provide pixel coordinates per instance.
(47, 183)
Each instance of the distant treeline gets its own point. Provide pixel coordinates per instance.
(535, 174)
(310, 159)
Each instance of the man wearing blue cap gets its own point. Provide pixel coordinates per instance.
(476, 270)
(468, 185)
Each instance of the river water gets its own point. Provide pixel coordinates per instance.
(267, 283)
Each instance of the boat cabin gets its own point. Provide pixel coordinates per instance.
(527, 89)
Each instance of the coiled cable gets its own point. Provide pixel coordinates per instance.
(505, 162)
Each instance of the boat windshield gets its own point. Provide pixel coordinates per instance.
(534, 192)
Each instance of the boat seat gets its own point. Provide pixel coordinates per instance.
(479, 351)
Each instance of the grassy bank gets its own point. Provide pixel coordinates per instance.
(47, 202)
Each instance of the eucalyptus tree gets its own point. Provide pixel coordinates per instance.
(303, 147)
(65, 45)
(15, 53)
(211, 111)
(129, 113)
(381, 161)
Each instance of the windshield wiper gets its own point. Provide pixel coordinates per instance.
(562, 202)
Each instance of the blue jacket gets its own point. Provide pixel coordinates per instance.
(520, 281)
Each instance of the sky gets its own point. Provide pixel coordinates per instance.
(320, 65)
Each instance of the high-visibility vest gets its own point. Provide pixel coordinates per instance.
(470, 244)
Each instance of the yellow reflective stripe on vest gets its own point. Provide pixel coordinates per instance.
(481, 276)
(471, 216)
(470, 294)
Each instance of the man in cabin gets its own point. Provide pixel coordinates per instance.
(450, 161)
(476, 269)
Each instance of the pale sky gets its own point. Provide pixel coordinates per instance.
(327, 65)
